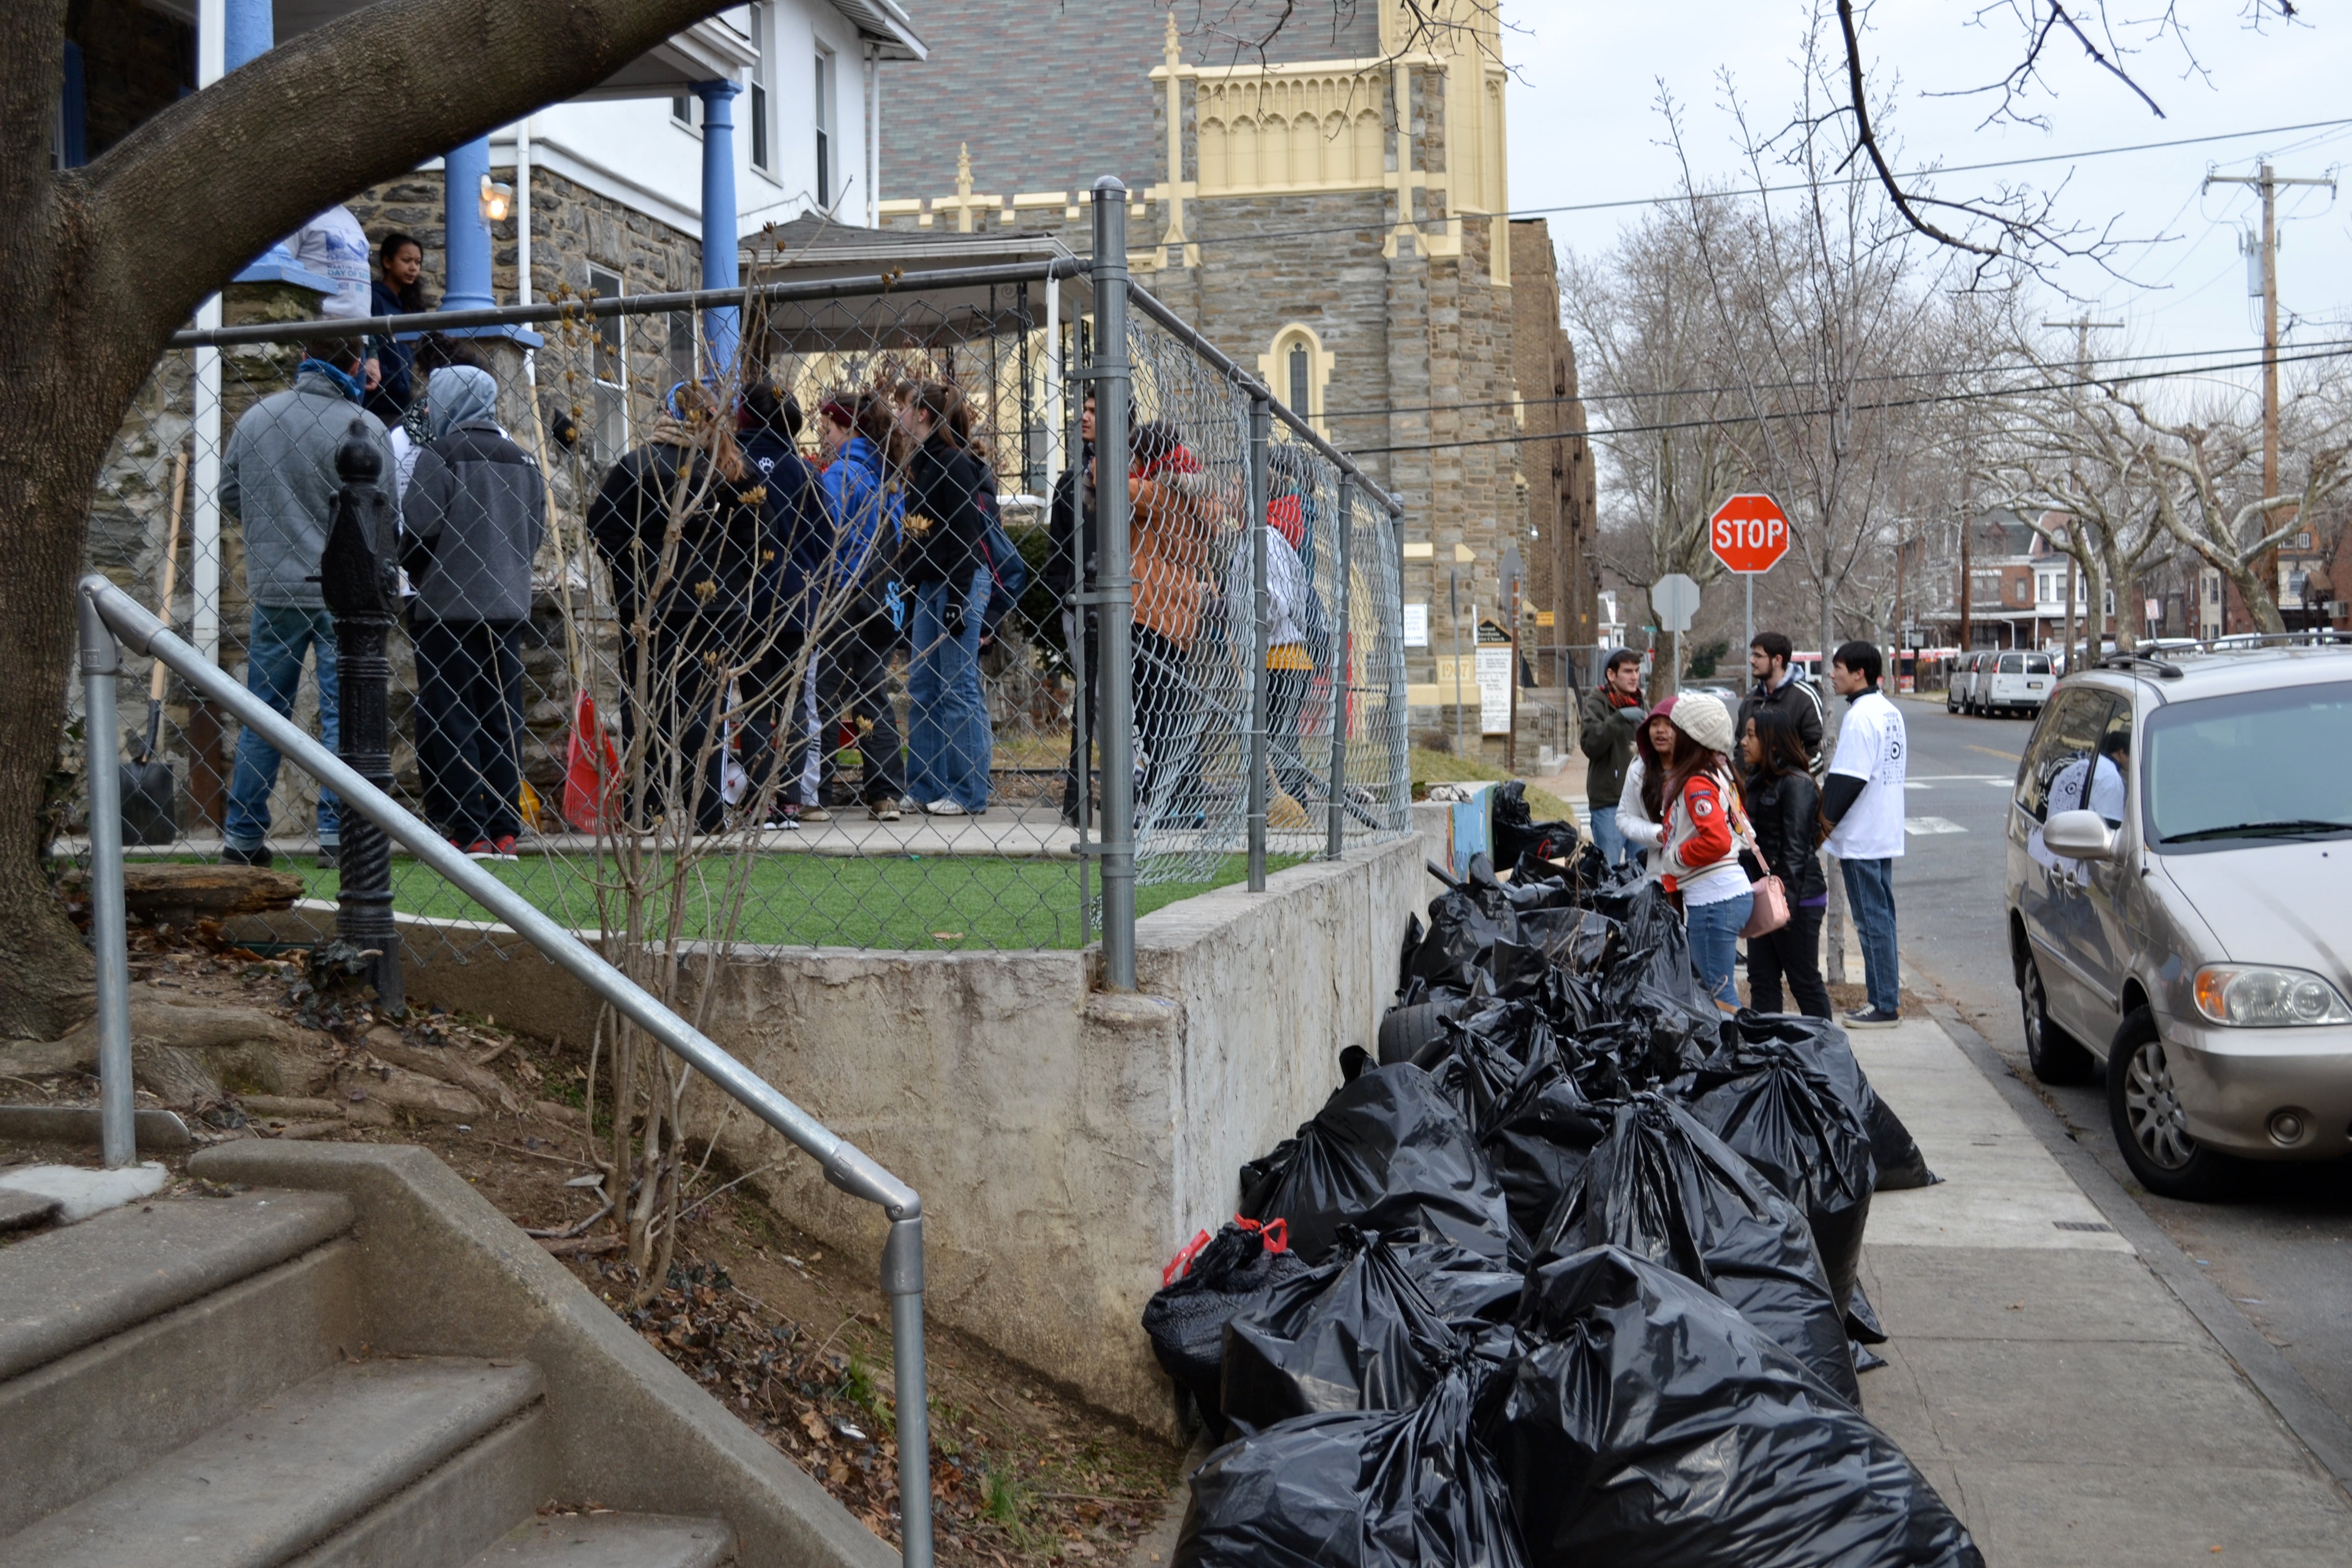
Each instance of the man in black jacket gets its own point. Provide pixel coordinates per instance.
(1778, 685)
(1609, 719)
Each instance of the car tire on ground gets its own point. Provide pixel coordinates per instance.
(2148, 1125)
(1406, 1032)
(2055, 1056)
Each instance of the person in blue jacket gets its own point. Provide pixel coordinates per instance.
(866, 511)
(779, 690)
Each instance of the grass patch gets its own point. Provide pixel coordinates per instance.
(935, 901)
(1430, 766)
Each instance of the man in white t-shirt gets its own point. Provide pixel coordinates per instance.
(1863, 800)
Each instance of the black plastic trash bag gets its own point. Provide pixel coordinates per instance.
(1382, 1489)
(1387, 1152)
(1662, 1186)
(1898, 1158)
(1778, 1107)
(1239, 1271)
(1519, 841)
(1368, 1338)
(1465, 923)
(1648, 1425)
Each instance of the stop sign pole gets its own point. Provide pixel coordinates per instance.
(1748, 533)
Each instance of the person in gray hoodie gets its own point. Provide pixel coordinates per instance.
(474, 515)
(279, 477)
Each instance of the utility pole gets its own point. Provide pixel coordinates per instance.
(1968, 579)
(2094, 628)
(2268, 181)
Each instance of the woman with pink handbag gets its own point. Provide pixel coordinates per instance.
(1785, 805)
(1705, 830)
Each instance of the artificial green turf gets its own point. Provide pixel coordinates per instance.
(901, 901)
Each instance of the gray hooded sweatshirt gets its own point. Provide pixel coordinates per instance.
(475, 509)
(279, 477)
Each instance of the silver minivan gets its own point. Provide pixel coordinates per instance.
(2178, 885)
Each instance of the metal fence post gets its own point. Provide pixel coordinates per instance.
(1399, 728)
(1113, 383)
(1343, 637)
(1261, 437)
(101, 666)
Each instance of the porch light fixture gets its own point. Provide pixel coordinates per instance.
(497, 201)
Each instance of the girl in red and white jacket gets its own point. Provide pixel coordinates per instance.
(1706, 828)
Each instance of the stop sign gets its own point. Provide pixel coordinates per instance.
(1748, 533)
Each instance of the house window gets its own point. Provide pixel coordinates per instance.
(1302, 375)
(762, 37)
(677, 353)
(681, 110)
(608, 367)
(824, 107)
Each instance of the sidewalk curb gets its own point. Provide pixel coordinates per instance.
(2325, 1434)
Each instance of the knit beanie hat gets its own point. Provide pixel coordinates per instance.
(1705, 719)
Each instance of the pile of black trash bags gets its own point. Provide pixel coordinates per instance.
(1565, 1277)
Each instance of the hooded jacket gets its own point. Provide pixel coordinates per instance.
(788, 582)
(278, 476)
(475, 511)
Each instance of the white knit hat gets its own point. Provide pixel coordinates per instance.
(1706, 719)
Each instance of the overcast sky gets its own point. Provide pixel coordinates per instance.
(1583, 128)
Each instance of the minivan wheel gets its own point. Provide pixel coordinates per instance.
(2149, 1127)
(2055, 1056)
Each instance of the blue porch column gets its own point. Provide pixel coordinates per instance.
(720, 326)
(463, 170)
(248, 31)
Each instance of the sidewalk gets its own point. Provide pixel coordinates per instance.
(2056, 1392)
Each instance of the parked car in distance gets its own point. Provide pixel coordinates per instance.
(2017, 681)
(2178, 869)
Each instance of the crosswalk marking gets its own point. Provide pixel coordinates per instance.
(1925, 825)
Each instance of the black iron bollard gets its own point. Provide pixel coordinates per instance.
(360, 578)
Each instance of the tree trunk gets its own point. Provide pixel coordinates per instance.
(100, 265)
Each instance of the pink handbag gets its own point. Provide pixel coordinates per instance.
(1771, 910)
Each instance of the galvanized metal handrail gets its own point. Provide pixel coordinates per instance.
(108, 617)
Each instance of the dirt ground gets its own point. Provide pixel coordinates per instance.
(789, 1335)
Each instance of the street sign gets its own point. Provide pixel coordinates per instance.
(1675, 598)
(1748, 533)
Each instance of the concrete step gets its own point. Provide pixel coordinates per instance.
(612, 1540)
(74, 1287)
(91, 1416)
(290, 1474)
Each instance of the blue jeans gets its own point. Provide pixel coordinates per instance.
(273, 671)
(1610, 842)
(949, 741)
(1715, 944)
(1870, 894)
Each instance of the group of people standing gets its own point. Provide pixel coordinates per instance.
(1715, 801)
(1193, 609)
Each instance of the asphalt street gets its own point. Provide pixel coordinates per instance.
(2281, 1249)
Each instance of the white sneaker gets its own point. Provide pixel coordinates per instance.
(882, 810)
(946, 808)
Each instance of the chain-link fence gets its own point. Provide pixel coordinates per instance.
(770, 617)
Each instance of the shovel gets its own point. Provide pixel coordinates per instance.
(150, 795)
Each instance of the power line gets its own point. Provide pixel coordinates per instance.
(1926, 400)
(1626, 202)
(1780, 385)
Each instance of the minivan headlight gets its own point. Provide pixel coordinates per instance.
(2258, 997)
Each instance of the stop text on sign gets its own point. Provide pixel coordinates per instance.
(1748, 533)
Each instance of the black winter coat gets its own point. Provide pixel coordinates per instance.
(1072, 533)
(1787, 814)
(718, 542)
(944, 523)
